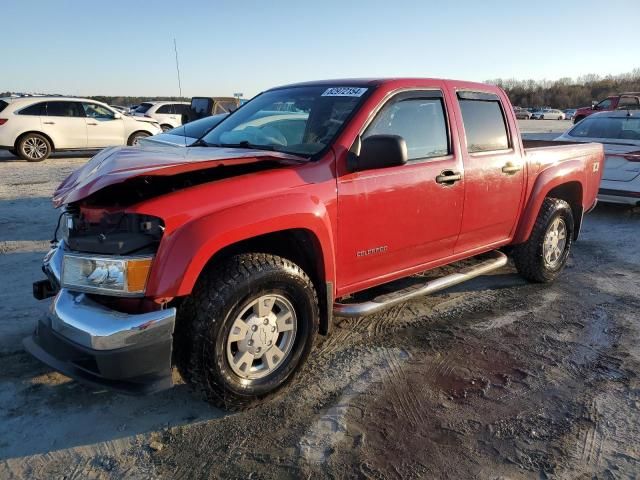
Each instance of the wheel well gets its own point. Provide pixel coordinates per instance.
(301, 247)
(571, 193)
(137, 131)
(15, 145)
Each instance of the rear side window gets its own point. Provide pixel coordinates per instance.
(632, 103)
(64, 109)
(419, 119)
(484, 122)
(35, 109)
(165, 109)
(3, 105)
(143, 107)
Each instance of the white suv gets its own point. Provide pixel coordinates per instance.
(33, 127)
(167, 114)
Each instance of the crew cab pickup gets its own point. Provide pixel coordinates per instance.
(228, 257)
(624, 101)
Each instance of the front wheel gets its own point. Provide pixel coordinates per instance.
(249, 325)
(134, 139)
(543, 257)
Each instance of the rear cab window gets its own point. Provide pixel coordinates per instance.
(419, 118)
(484, 122)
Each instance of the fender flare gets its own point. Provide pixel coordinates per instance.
(178, 265)
(554, 176)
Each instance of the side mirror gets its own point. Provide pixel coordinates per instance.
(117, 115)
(377, 151)
(594, 104)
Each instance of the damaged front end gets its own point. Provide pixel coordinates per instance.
(101, 329)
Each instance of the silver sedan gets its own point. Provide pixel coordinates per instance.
(619, 132)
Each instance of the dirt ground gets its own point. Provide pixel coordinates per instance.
(494, 379)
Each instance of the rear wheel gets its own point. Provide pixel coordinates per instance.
(33, 147)
(543, 257)
(253, 321)
(559, 118)
(135, 137)
(165, 127)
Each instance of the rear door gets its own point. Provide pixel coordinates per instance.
(494, 173)
(103, 129)
(65, 124)
(398, 218)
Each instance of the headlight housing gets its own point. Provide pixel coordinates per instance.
(119, 276)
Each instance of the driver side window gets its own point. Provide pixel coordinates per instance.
(93, 110)
(419, 119)
(603, 105)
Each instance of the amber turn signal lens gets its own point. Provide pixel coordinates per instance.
(137, 274)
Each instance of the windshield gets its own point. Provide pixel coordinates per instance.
(143, 107)
(617, 128)
(198, 128)
(298, 120)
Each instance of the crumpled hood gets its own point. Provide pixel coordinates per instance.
(118, 164)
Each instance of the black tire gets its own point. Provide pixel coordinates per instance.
(165, 127)
(208, 315)
(559, 118)
(135, 136)
(33, 147)
(528, 257)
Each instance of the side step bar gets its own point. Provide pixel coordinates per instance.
(490, 261)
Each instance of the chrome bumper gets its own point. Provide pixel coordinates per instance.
(85, 322)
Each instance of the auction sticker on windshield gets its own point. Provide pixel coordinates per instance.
(344, 92)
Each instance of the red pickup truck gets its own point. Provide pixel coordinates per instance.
(226, 258)
(623, 101)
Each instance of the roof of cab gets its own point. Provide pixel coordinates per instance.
(374, 82)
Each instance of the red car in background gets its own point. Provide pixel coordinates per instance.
(630, 100)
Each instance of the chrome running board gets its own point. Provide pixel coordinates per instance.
(489, 262)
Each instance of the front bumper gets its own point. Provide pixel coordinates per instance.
(100, 346)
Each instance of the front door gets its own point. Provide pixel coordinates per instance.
(103, 128)
(494, 173)
(394, 219)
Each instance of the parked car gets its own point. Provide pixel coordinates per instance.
(619, 132)
(167, 114)
(229, 257)
(548, 114)
(569, 113)
(624, 101)
(201, 107)
(34, 127)
(187, 134)
(522, 114)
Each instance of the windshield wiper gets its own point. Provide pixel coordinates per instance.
(247, 144)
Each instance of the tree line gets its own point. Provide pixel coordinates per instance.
(568, 92)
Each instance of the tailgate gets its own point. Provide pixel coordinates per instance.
(621, 167)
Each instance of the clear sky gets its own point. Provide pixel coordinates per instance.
(119, 47)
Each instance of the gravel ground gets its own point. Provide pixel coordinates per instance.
(496, 378)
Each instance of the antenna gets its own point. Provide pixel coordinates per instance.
(175, 48)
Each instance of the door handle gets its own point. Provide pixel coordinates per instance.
(510, 168)
(49, 123)
(91, 123)
(448, 177)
